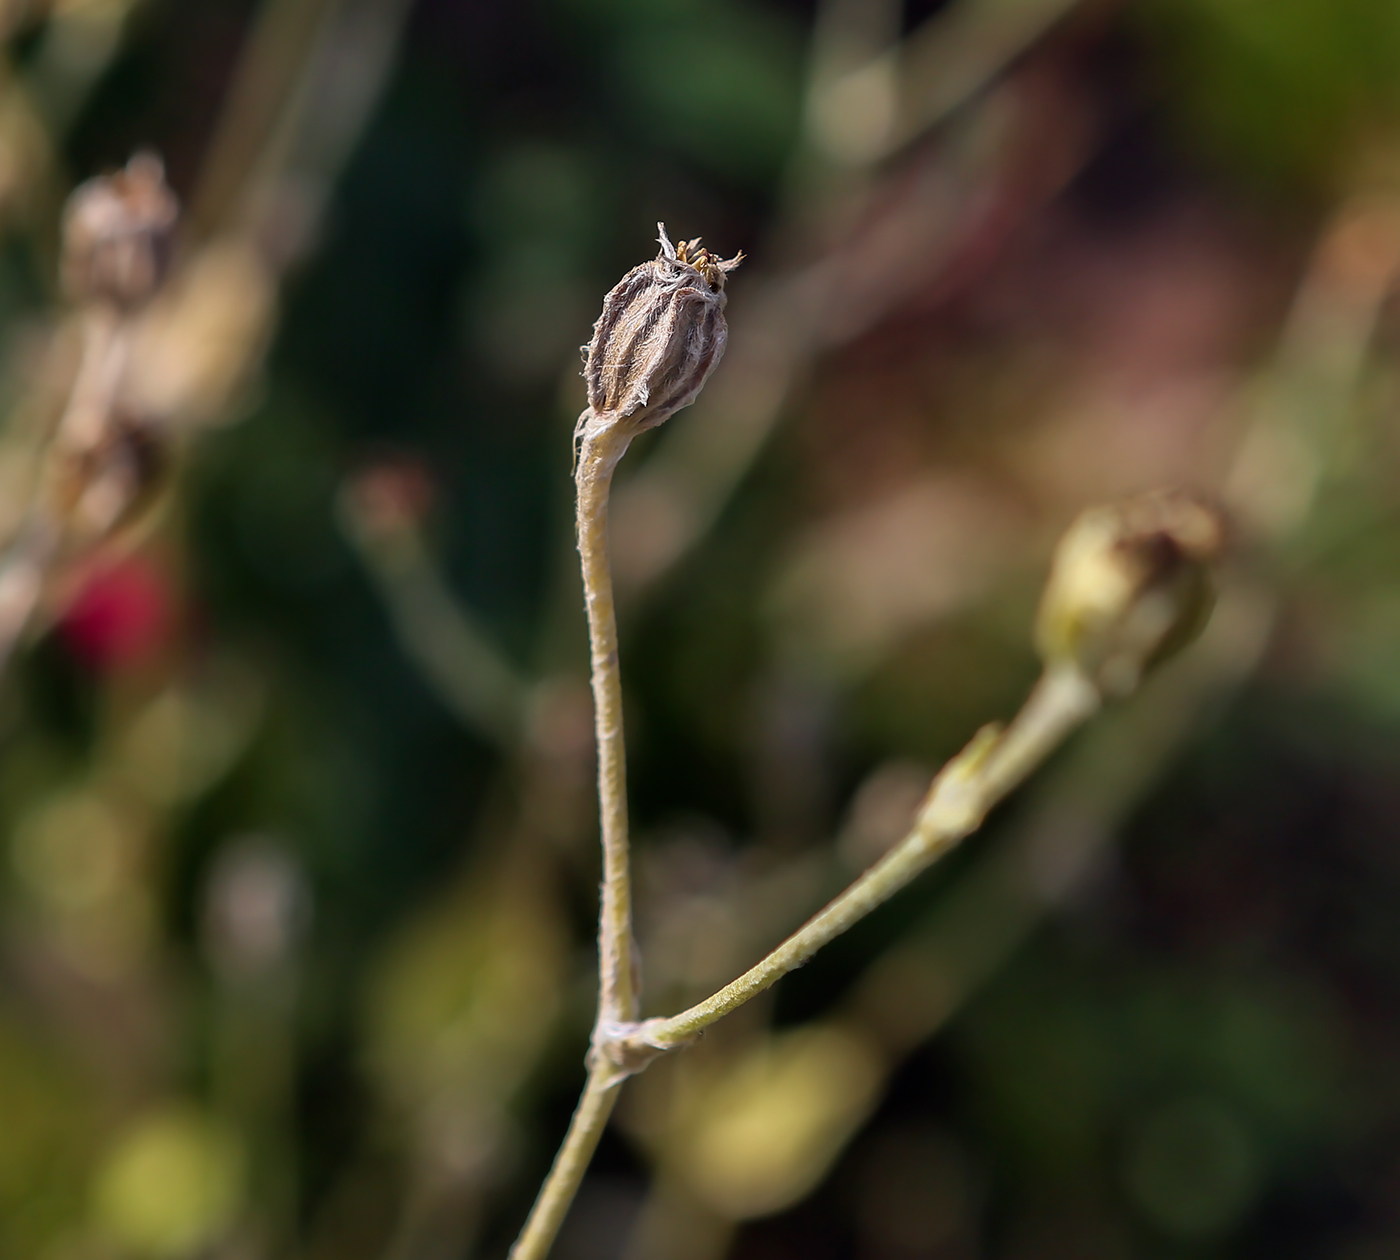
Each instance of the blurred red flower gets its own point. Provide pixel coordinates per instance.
(122, 615)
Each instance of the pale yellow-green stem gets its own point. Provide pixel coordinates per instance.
(557, 1193)
(969, 786)
(963, 793)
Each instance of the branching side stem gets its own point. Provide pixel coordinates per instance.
(994, 763)
(960, 798)
(969, 786)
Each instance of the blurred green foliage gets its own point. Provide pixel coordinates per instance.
(1293, 88)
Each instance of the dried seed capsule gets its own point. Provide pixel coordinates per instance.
(660, 335)
(1129, 586)
(117, 233)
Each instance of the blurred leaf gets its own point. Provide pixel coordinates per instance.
(460, 1005)
(45, 1143)
(1284, 87)
(1060, 1055)
(765, 1131)
(723, 88)
(187, 738)
(1044, 1063)
(172, 1185)
(535, 194)
(1192, 1167)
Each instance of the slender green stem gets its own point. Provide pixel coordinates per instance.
(617, 998)
(968, 787)
(560, 1187)
(438, 633)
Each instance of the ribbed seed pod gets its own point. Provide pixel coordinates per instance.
(660, 335)
(117, 234)
(1129, 586)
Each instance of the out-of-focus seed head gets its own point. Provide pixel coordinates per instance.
(390, 497)
(117, 234)
(1129, 586)
(660, 335)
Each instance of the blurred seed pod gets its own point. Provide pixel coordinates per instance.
(1129, 586)
(390, 496)
(662, 332)
(117, 234)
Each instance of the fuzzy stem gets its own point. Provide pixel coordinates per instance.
(599, 452)
(961, 796)
(560, 1187)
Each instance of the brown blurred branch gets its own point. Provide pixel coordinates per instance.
(879, 239)
(278, 50)
(301, 94)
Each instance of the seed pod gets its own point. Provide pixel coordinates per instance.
(1129, 586)
(660, 335)
(117, 233)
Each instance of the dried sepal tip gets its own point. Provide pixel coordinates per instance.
(660, 335)
(1130, 585)
(692, 254)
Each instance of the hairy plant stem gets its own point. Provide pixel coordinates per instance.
(600, 449)
(552, 1204)
(599, 452)
(968, 787)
